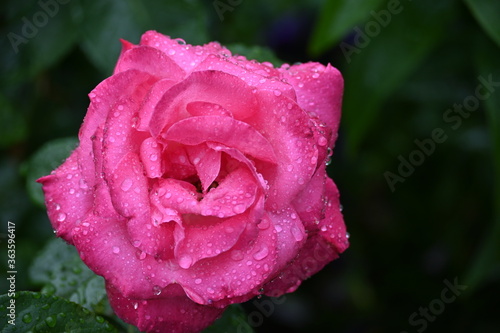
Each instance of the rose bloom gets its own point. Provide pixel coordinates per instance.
(200, 181)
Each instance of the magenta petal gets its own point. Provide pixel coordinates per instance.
(319, 90)
(150, 60)
(205, 239)
(67, 196)
(230, 132)
(104, 245)
(234, 195)
(170, 312)
(148, 107)
(151, 157)
(207, 163)
(186, 56)
(207, 86)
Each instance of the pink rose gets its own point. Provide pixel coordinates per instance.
(200, 181)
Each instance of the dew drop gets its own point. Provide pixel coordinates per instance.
(126, 184)
(261, 254)
(347, 235)
(61, 217)
(185, 262)
(197, 281)
(136, 305)
(297, 234)
(27, 318)
(50, 321)
(237, 255)
(153, 157)
(322, 141)
(238, 209)
(116, 249)
(315, 75)
(277, 93)
(156, 290)
(289, 167)
(278, 228)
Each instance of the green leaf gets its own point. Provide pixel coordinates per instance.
(258, 53)
(379, 63)
(37, 312)
(46, 159)
(60, 269)
(233, 320)
(487, 14)
(336, 18)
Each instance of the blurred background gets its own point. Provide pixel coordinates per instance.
(417, 161)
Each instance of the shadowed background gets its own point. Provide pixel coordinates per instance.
(423, 210)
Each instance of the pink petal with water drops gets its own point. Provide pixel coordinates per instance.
(207, 86)
(171, 311)
(207, 163)
(206, 109)
(151, 158)
(186, 56)
(319, 90)
(106, 94)
(104, 246)
(150, 60)
(207, 237)
(233, 196)
(67, 196)
(230, 132)
(289, 132)
(250, 262)
(147, 108)
(332, 227)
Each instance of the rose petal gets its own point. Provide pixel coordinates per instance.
(234, 195)
(67, 196)
(207, 163)
(170, 312)
(206, 237)
(319, 90)
(150, 60)
(104, 246)
(186, 56)
(208, 86)
(148, 107)
(151, 158)
(106, 94)
(230, 132)
(294, 137)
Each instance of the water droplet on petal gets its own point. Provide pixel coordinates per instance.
(153, 157)
(126, 184)
(238, 209)
(322, 141)
(61, 217)
(297, 234)
(347, 235)
(236, 255)
(185, 262)
(197, 281)
(116, 249)
(136, 305)
(277, 93)
(157, 290)
(261, 254)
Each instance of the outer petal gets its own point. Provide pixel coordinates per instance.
(150, 60)
(170, 312)
(319, 90)
(67, 196)
(186, 56)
